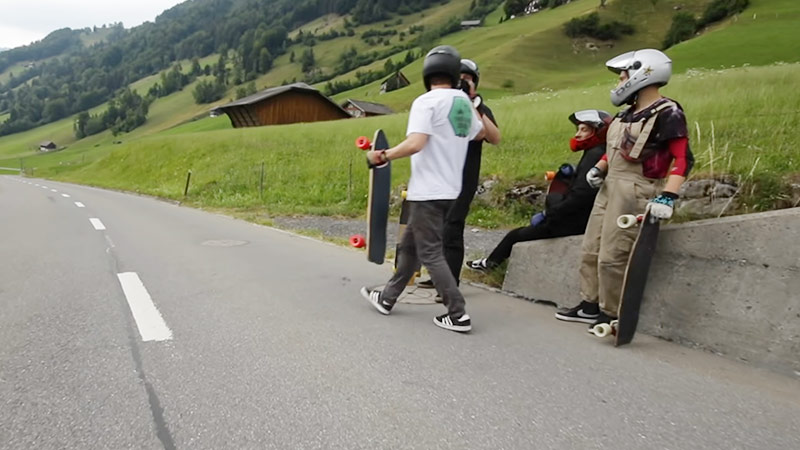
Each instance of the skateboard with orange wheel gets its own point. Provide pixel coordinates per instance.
(380, 184)
(560, 181)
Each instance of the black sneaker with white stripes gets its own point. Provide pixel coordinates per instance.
(480, 265)
(446, 321)
(586, 312)
(373, 296)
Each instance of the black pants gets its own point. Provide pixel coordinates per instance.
(544, 230)
(422, 243)
(455, 221)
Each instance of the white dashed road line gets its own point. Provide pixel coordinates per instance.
(80, 205)
(53, 190)
(65, 195)
(97, 224)
(149, 321)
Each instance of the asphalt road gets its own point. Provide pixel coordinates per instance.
(242, 336)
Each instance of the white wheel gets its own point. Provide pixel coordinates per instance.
(602, 330)
(626, 221)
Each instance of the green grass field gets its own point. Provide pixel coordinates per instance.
(743, 120)
(753, 129)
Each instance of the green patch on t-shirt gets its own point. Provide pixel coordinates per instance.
(460, 116)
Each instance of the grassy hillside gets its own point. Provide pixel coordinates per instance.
(754, 131)
(765, 32)
(327, 52)
(743, 120)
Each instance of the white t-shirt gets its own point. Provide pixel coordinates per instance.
(450, 121)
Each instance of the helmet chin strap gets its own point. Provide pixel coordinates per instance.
(632, 99)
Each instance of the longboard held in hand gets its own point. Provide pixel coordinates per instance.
(380, 184)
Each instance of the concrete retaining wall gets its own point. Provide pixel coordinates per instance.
(729, 285)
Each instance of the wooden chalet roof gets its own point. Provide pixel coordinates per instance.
(369, 107)
(274, 92)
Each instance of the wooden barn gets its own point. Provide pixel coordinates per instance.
(394, 82)
(47, 146)
(292, 103)
(359, 108)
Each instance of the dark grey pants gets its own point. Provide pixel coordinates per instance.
(422, 242)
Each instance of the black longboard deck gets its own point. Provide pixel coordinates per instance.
(380, 185)
(559, 184)
(635, 279)
(558, 187)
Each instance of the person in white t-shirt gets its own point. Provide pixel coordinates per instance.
(440, 125)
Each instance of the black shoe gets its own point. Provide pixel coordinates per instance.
(373, 296)
(586, 312)
(480, 265)
(427, 284)
(601, 318)
(462, 324)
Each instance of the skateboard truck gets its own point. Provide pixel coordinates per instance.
(629, 220)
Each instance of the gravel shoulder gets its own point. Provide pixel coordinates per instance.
(478, 242)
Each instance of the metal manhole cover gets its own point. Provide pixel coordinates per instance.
(223, 243)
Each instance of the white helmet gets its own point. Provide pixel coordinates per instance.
(645, 67)
(595, 118)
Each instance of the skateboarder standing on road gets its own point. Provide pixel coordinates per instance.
(564, 214)
(440, 125)
(642, 142)
(457, 216)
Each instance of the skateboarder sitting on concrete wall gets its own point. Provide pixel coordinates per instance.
(456, 217)
(564, 214)
(440, 125)
(643, 141)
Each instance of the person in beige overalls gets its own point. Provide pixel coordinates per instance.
(643, 142)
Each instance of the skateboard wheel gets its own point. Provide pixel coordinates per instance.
(549, 175)
(358, 241)
(629, 220)
(602, 330)
(363, 143)
(404, 194)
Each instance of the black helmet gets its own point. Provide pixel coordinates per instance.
(595, 118)
(442, 60)
(468, 66)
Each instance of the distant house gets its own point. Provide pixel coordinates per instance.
(394, 82)
(47, 146)
(467, 24)
(359, 108)
(292, 103)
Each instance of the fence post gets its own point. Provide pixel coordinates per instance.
(21, 166)
(350, 182)
(188, 178)
(261, 183)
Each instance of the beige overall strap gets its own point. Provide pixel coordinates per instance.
(647, 129)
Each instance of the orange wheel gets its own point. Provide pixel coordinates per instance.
(363, 143)
(358, 241)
